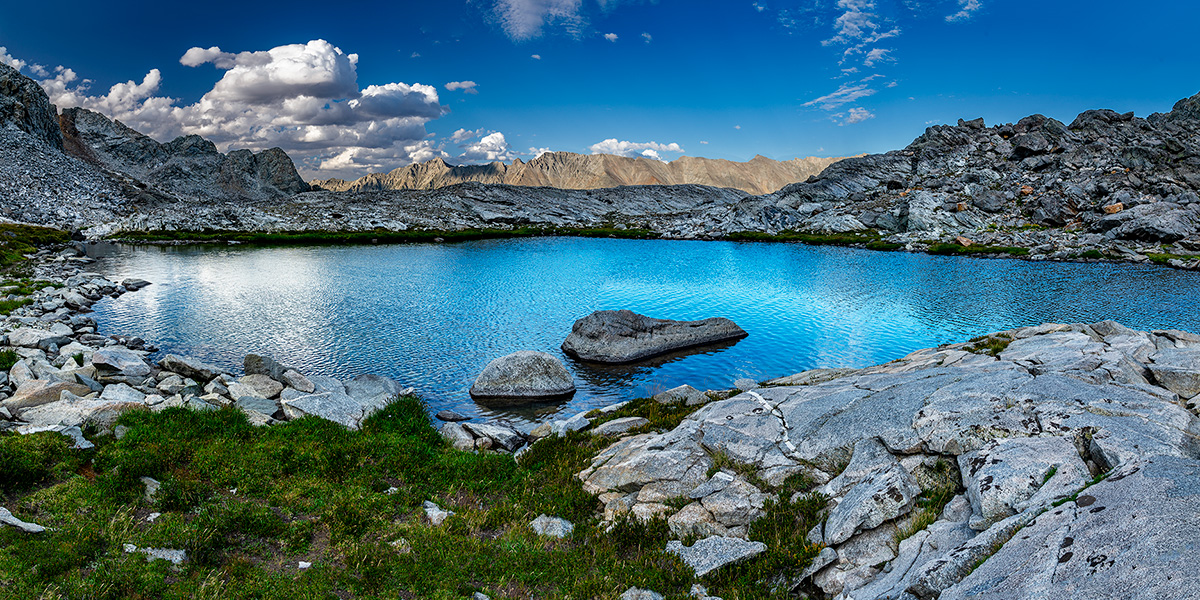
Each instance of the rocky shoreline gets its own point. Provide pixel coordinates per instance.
(65, 376)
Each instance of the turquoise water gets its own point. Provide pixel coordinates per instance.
(431, 315)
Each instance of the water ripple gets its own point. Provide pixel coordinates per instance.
(431, 316)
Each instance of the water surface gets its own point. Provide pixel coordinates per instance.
(433, 315)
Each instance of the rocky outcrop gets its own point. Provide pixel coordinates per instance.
(621, 336)
(188, 166)
(1020, 437)
(567, 170)
(25, 106)
(523, 377)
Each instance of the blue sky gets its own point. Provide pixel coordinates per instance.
(368, 86)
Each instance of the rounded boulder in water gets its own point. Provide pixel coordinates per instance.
(522, 377)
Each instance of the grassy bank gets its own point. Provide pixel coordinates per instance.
(16, 241)
(381, 236)
(248, 504)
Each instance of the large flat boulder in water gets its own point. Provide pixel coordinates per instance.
(524, 376)
(621, 336)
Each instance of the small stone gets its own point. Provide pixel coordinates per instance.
(436, 514)
(264, 385)
(302, 565)
(295, 380)
(7, 518)
(710, 554)
(152, 486)
(619, 426)
(634, 593)
(552, 526)
(450, 416)
(687, 394)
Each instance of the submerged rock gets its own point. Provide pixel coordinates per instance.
(524, 376)
(621, 336)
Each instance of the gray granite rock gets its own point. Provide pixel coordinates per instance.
(1131, 535)
(121, 360)
(1007, 476)
(1178, 370)
(712, 553)
(522, 377)
(621, 336)
(634, 593)
(189, 367)
(687, 394)
(552, 526)
(7, 518)
(881, 496)
(619, 426)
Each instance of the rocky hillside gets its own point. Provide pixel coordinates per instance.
(84, 169)
(567, 170)
(188, 166)
(1106, 181)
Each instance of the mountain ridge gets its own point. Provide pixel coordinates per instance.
(569, 170)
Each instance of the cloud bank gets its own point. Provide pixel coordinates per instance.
(634, 149)
(304, 98)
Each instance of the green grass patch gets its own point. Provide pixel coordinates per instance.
(30, 460)
(18, 240)
(931, 502)
(378, 236)
(944, 249)
(661, 417)
(1165, 258)
(816, 239)
(7, 306)
(247, 504)
(991, 345)
(8, 358)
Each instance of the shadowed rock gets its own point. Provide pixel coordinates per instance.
(621, 336)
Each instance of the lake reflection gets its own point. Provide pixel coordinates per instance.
(432, 316)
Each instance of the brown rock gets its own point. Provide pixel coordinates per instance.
(964, 241)
(1113, 209)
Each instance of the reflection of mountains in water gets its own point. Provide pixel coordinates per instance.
(597, 375)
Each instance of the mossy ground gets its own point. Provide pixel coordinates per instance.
(248, 504)
(16, 241)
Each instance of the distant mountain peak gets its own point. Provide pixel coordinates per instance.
(570, 170)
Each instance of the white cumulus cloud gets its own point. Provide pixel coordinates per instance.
(304, 98)
(632, 149)
(612, 37)
(968, 8)
(468, 87)
(5, 58)
(535, 56)
(491, 147)
(649, 38)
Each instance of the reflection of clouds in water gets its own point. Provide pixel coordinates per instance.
(432, 316)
